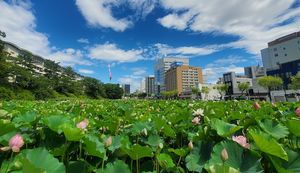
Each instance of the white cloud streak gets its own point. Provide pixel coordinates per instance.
(111, 53)
(256, 22)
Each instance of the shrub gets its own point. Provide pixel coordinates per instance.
(24, 95)
(6, 94)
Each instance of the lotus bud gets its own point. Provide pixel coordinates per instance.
(16, 142)
(224, 155)
(160, 145)
(256, 106)
(190, 145)
(144, 131)
(298, 112)
(108, 141)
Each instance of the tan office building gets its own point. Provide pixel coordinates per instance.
(183, 78)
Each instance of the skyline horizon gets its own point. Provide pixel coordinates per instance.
(130, 35)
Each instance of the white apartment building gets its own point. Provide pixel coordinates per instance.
(162, 65)
(143, 86)
(282, 57)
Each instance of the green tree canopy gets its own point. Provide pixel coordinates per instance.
(270, 82)
(295, 81)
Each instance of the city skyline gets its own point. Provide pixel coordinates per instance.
(89, 35)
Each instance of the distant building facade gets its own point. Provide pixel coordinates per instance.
(232, 80)
(143, 86)
(162, 65)
(150, 87)
(282, 57)
(183, 78)
(126, 89)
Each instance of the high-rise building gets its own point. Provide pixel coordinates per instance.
(254, 71)
(143, 86)
(162, 65)
(183, 78)
(282, 57)
(150, 87)
(126, 89)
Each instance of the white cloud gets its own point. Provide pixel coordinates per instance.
(185, 51)
(213, 71)
(134, 79)
(86, 71)
(111, 53)
(256, 22)
(83, 40)
(69, 57)
(98, 13)
(19, 24)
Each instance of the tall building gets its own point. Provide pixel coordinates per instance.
(254, 71)
(143, 86)
(126, 89)
(183, 78)
(162, 65)
(150, 87)
(282, 57)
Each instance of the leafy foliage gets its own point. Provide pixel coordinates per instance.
(149, 136)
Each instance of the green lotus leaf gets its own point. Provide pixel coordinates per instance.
(224, 129)
(242, 160)
(222, 169)
(56, 122)
(290, 166)
(268, 144)
(72, 133)
(180, 152)
(116, 167)
(137, 152)
(294, 127)
(39, 160)
(275, 129)
(165, 161)
(94, 147)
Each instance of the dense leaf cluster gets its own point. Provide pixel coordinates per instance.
(150, 136)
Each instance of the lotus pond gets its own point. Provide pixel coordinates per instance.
(124, 136)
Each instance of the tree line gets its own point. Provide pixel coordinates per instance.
(19, 80)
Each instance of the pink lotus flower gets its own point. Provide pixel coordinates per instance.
(83, 124)
(256, 106)
(15, 143)
(242, 140)
(297, 111)
(196, 121)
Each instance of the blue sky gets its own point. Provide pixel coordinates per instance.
(130, 34)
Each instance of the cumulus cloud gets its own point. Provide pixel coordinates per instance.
(111, 53)
(99, 13)
(213, 71)
(19, 24)
(256, 22)
(86, 71)
(69, 57)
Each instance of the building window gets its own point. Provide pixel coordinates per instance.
(275, 49)
(285, 54)
(276, 55)
(283, 48)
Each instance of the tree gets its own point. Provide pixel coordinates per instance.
(295, 82)
(269, 83)
(93, 88)
(113, 91)
(222, 89)
(205, 90)
(244, 86)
